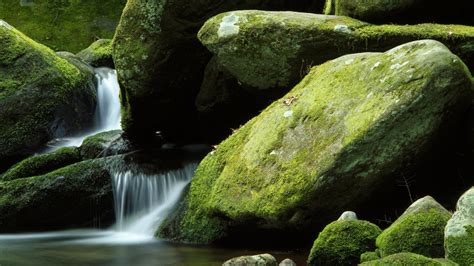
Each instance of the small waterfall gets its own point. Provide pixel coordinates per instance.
(107, 114)
(143, 201)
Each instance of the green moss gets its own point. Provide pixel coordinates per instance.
(96, 145)
(41, 95)
(76, 195)
(69, 25)
(421, 233)
(278, 171)
(42, 164)
(368, 256)
(257, 56)
(405, 258)
(459, 248)
(343, 242)
(98, 54)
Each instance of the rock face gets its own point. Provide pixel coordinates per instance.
(76, 195)
(257, 260)
(63, 25)
(42, 96)
(419, 229)
(160, 62)
(249, 44)
(310, 155)
(401, 11)
(98, 54)
(459, 232)
(343, 242)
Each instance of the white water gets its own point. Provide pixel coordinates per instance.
(107, 114)
(143, 201)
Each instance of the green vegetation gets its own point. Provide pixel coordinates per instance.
(42, 164)
(278, 170)
(343, 242)
(42, 96)
(64, 25)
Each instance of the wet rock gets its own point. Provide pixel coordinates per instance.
(258, 260)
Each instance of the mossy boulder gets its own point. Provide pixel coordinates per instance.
(160, 62)
(98, 54)
(257, 260)
(63, 25)
(407, 258)
(459, 232)
(420, 229)
(342, 243)
(42, 96)
(401, 11)
(104, 144)
(368, 256)
(310, 155)
(76, 195)
(250, 46)
(42, 164)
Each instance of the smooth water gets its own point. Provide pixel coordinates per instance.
(107, 114)
(143, 201)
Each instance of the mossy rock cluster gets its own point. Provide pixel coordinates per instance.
(160, 61)
(64, 25)
(42, 96)
(419, 230)
(310, 155)
(342, 243)
(248, 44)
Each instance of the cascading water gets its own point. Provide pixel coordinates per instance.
(143, 201)
(107, 114)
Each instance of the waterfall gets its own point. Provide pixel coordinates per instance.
(143, 201)
(107, 113)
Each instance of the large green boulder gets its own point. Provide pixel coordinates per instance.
(160, 62)
(311, 154)
(42, 164)
(250, 46)
(400, 11)
(76, 195)
(407, 258)
(459, 232)
(104, 144)
(420, 229)
(67, 25)
(42, 96)
(342, 242)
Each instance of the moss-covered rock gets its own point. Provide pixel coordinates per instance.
(459, 232)
(343, 242)
(310, 155)
(98, 54)
(400, 11)
(407, 258)
(420, 229)
(160, 62)
(249, 44)
(42, 96)
(104, 144)
(42, 164)
(257, 260)
(76, 195)
(368, 256)
(66, 25)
